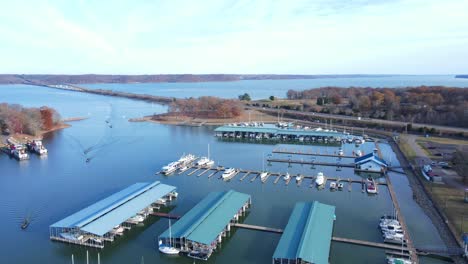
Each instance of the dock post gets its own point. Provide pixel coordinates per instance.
(98, 258)
(73, 259)
(87, 257)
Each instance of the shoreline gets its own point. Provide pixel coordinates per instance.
(255, 116)
(40, 136)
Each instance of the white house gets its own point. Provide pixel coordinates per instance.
(370, 162)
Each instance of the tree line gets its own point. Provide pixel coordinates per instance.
(206, 107)
(424, 104)
(15, 118)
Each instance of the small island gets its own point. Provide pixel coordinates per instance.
(461, 76)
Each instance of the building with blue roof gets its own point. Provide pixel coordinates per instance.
(371, 162)
(201, 229)
(271, 131)
(96, 223)
(307, 236)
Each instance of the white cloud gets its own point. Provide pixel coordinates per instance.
(311, 37)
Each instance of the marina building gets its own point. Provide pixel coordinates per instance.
(371, 162)
(109, 217)
(271, 131)
(307, 236)
(199, 232)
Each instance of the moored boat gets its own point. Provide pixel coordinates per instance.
(371, 186)
(320, 180)
(228, 173)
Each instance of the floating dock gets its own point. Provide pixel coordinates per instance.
(95, 224)
(202, 228)
(271, 131)
(298, 152)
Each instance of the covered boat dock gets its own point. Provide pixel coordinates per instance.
(101, 222)
(307, 236)
(271, 131)
(201, 229)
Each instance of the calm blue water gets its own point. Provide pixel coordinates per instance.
(49, 189)
(265, 88)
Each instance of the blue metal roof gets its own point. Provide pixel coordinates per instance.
(307, 235)
(370, 156)
(204, 222)
(101, 217)
(271, 129)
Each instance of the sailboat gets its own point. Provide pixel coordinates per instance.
(168, 249)
(263, 174)
(205, 161)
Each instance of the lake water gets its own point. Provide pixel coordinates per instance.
(51, 188)
(265, 88)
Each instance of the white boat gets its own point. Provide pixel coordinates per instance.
(175, 194)
(186, 159)
(183, 168)
(161, 201)
(320, 179)
(228, 173)
(340, 152)
(205, 161)
(371, 186)
(38, 147)
(263, 173)
(202, 161)
(118, 230)
(19, 152)
(359, 153)
(287, 176)
(71, 236)
(263, 176)
(96, 240)
(168, 249)
(333, 185)
(299, 178)
(170, 168)
(340, 186)
(137, 218)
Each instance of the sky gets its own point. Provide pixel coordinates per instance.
(224, 36)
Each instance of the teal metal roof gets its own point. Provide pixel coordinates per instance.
(271, 129)
(101, 217)
(307, 235)
(204, 222)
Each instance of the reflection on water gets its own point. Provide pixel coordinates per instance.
(51, 188)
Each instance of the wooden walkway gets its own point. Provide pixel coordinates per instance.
(320, 163)
(165, 215)
(297, 152)
(401, 219)
(336, 239)
(258, 228)
(369, 244)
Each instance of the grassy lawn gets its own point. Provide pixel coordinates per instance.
(450, 141)
(452, 202)
(406, 149)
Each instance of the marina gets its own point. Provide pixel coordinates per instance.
(49, 191)
(200, 231)
(280, 131)
(107, 218)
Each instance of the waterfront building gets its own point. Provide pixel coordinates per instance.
(199, 232)
(105, 219)
(307, 236)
